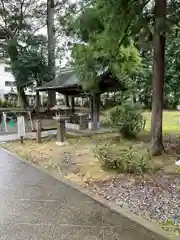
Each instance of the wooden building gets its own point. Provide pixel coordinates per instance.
(67, 84)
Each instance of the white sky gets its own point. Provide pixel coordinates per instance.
(61, 40)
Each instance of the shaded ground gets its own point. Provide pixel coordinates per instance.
(36, 206)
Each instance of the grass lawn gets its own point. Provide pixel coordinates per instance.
(171, 122)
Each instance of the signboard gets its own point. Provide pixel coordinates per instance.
(21, 126)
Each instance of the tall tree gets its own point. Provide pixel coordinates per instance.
(158, 76)
(141, 20)
(31, 65)
(16, 25)
(95, 50)
(51, 47)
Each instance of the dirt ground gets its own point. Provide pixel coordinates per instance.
(74, 161)
(77, 162)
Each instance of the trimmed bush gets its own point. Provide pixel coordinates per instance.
(106, 122)
(123, 160)
(127, 117)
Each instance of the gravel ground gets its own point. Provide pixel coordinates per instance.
(157, 198)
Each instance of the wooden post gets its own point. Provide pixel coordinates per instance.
(51, 98)
(67, 100)
(21, 138)
(72, 104)
(38, 131)
(95, 111)
(91, 113)
(98, 99)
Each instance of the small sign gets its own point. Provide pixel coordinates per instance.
(11, 123)
(21, 126)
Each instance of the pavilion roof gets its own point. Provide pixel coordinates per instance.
(68, 82)
(64, 79)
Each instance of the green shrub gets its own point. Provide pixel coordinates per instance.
(170, 226)
(123, 160)
(9, 104)
(106, 122)
(5, 103)
(127, 117)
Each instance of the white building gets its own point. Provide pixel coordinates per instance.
(7, 83)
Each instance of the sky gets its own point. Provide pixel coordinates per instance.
(63, 40)
(60, 43)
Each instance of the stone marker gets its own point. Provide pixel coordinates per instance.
(38, 131)
(21, 127)
(61, 129)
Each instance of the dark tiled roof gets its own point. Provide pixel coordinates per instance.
(65, 79)
(68, 81)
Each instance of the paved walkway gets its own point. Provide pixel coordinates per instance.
(35, 206)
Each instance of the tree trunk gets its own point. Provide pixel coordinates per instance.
(23, 98)
(134, 98)
(13, 55)
(51, 99)
(158, 77)
(51, 48)
(38, 101)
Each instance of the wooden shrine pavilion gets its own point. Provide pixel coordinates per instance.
(67, 84)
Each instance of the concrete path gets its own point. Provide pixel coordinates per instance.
(35, 206)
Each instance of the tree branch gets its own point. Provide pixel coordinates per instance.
(19, 26)
(173, 22)
(4, 17)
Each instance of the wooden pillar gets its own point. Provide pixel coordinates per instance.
(98, 99)
(95, 111)
(94, 105)
(51, 98)
(91, 113)
(72, 104)
(67, 100)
